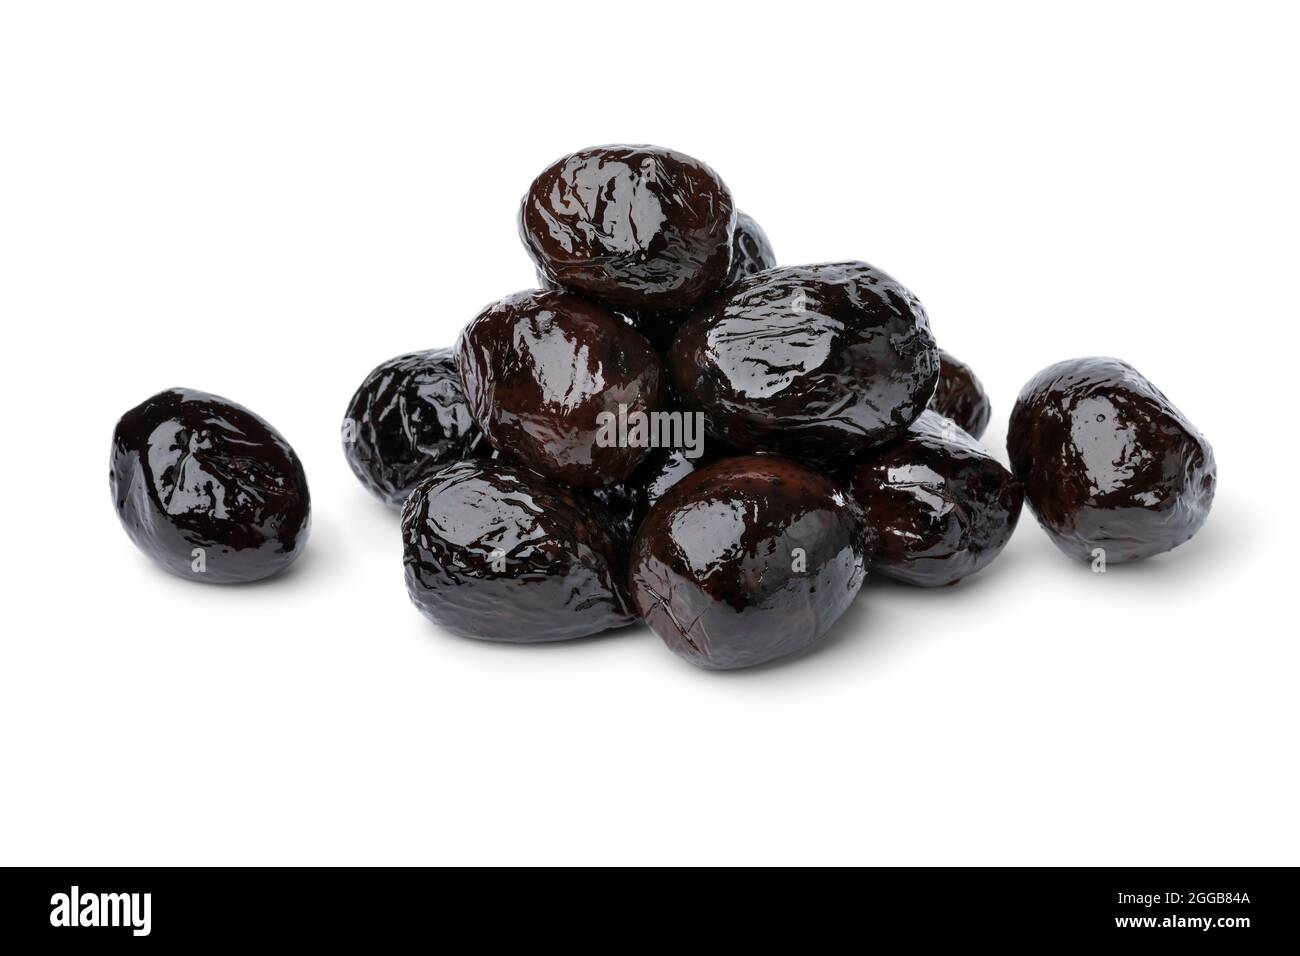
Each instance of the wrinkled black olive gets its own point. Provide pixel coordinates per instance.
(408, 419)
(541, 370)
(942, 508)
(208, 489)
(817, 362)
(629, 501)
(750, 249)
(1108, 462)
(495, 552)
(639, 227)
(747, 560)
(960, 396)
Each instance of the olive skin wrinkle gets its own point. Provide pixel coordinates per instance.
(816, 362)
(747, 560)
(960, 396)
(495, 552)
(541, 368)
(941, 506)
(407, 419)
(637, 227)
(1108, 462)
(208, 489)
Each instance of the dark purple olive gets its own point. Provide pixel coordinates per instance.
(960, 396)
(817, 362)
(942, 508)
(638, 227)
(208, 489)
(407, 420)
(751, 251)
(1112, 470)
(545, 373)
(747, 560)
(495, 552)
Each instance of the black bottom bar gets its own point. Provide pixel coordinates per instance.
(1221, 907)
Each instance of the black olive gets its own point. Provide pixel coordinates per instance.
(208, 489)
(546, 373)
(747, 560)
(816, 362)
(1111, 469)
(960, 396)
(495, 552)
(407, 420)
(751, 251)
(941, 506)
(638, 227)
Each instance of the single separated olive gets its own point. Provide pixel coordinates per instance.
(550, 375)
(747, 560)
(408, 419)
(1111, 469)
(495, 552)
(942, 508)
(817, 362)
(960, 396)
(638, 227)
(208, 489)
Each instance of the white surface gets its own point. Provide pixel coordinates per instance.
(266, 200)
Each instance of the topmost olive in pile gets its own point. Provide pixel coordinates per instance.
(636, 227)
(675, 428)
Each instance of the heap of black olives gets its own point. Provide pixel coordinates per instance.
(673, 428)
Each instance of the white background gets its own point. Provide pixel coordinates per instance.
(265, 200)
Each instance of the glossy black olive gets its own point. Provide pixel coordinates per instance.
(960, 396)
(546, 372)
(408, 419)
(1111, 468)
(751, 251)
(942, 508)
(495, 552)
(747, 560)
(208, 489)
(639, 227)
(817, 362)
